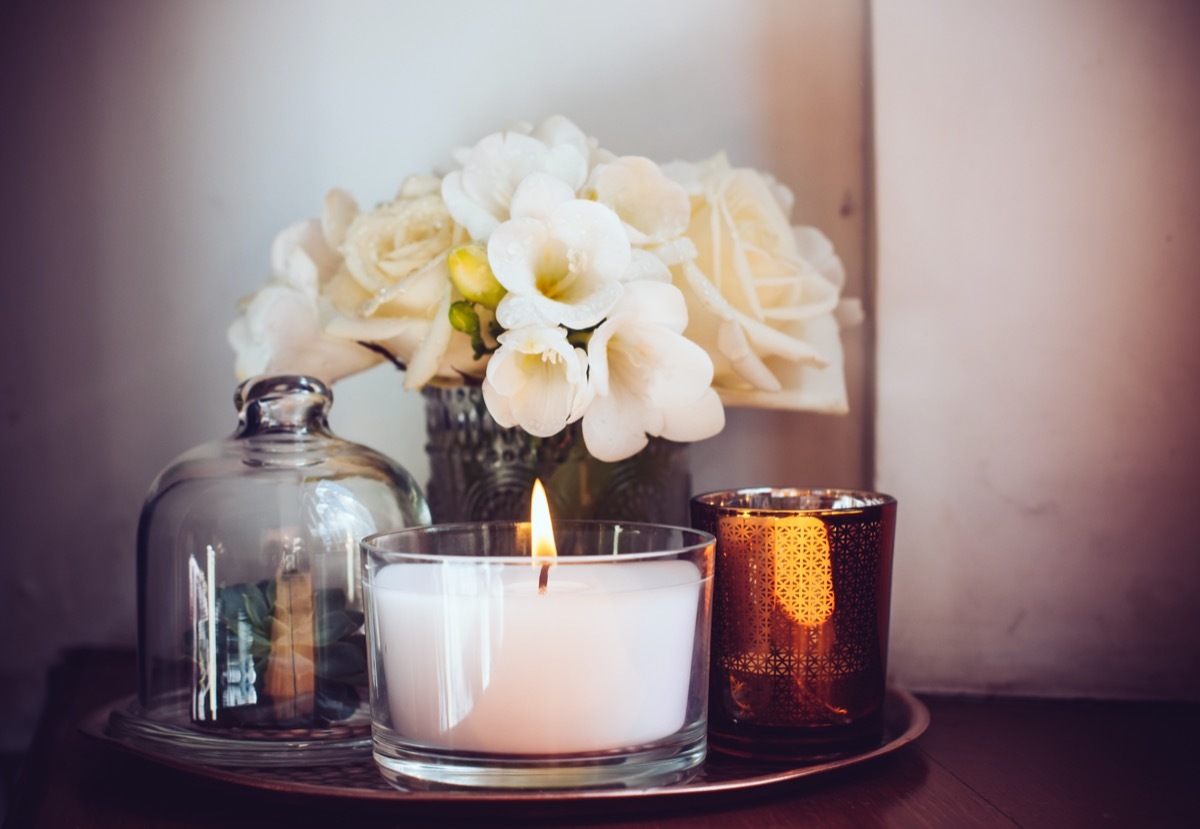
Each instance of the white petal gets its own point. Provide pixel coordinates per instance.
(641, 369)
(774, 342)
(251, 353)
(676, 251)
(541, 379)
(567, 163)
(700, 420)
(480, 195)
(735, 347)
(279, 330)
(514, 252)
(818, 251)
(497, 405)
(424, 364)
(653, 207)
(655, 302)
(323, 255)
(504, 373)
(817, 296)
(564, 271)
(613, 429)
(650, 361)
(538, 195)
(516, 311)
(682, 370)
(569, 150)
(326, 359)
(301, 272)
(544, 406)
(805, 388)
(596, 232)
(478, 221)
(644, 265)
(706, 293)
(559, 129)
(415, 294)
(376, 329)
(580, 312)
(419, 185)
(539, 340)
(498, 163)
(285, 242)
(339, 211)
(598, 377)
(547, 401)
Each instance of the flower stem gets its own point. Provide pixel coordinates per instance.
(383, 352)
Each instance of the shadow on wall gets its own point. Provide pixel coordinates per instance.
(96, 361)
(52, 343)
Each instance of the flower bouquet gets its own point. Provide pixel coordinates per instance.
(571, 285)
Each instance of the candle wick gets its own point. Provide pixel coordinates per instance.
(543, 579)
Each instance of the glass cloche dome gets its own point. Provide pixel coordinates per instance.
(251, 648)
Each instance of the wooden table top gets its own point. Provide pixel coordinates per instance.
(982, 762)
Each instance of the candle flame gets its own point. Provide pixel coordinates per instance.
(542, 530)
(541, 527)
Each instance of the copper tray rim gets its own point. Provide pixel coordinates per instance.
(907, 718)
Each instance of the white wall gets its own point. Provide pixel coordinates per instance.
(1039, 353)
(159, 147)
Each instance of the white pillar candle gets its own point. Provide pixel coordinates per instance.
(474, 659)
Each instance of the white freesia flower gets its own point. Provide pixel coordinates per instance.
(480, 194)
(281, 328)
(654, 209)
(561, 259)
(394, 287)
(648, 379)
(536, 380)
(761, 294)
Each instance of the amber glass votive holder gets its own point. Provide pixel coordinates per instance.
(801, 602)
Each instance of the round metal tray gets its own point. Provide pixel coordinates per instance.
(906, 718)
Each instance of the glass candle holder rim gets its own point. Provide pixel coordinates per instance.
(742, 501)
(691, 541)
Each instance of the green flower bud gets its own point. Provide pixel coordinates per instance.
(463, 318)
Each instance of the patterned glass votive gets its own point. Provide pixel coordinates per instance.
(802, 593)
(492, 668)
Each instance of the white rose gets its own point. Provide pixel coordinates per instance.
(394, 285)
(281, 327)
(761, 294)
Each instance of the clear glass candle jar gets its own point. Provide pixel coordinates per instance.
(251, 648)
(492, 670)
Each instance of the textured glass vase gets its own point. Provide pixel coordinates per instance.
(479, 470)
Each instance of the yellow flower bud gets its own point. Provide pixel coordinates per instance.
(473, 277)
